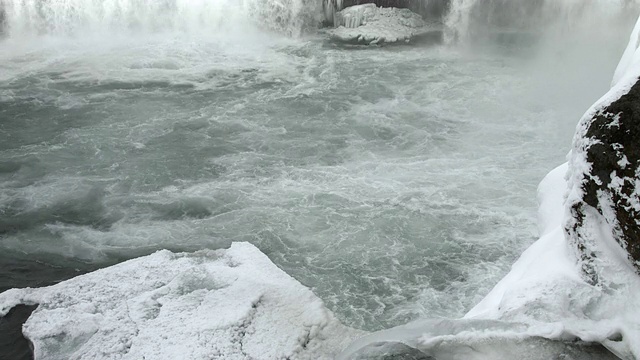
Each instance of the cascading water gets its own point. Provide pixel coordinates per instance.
(471, 18)
(73, 17)
(457, 20)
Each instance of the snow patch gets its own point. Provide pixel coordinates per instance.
(543, 303)
(224, 304)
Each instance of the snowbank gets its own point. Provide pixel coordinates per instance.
(369, 24)
(225, 304)
(543, 309)
(547, 291)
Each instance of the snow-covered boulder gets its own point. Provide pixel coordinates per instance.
(543, 309)
(605, 169)
(224, 304)
(433, 9)
(369, 24)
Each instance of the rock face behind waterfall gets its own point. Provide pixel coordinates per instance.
(428, 9)
(368, 24)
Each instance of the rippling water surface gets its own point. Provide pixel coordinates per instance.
(396, 182)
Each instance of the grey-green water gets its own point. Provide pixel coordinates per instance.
(396, 182)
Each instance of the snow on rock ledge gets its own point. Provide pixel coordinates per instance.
(605, 170)
(224, 304)
(543, 309)
(369, 24)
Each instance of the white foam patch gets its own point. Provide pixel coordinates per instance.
(224, 304)
(368, 24)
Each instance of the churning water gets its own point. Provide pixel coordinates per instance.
(396, 182)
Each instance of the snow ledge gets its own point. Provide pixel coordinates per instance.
(223, 304)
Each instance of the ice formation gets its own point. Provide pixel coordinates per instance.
(224, 304)
(369, 24)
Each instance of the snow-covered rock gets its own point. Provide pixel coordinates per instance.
(369, 24)
(605, 169)
(224, 304)
(547, 291)
(434, 9)
(543, 309)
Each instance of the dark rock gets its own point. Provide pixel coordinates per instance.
(390, 351)
(14, 345)
(21, 270)
(611, 146)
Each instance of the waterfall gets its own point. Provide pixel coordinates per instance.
(73, 17)
(457, 21)
(291, 17)
(475, 17)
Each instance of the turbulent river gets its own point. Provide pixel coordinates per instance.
(396, 182)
